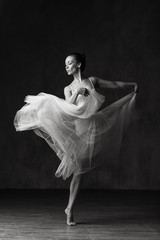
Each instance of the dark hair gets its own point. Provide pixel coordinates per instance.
(81, 58)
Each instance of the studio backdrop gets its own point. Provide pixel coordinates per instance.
(121, 43)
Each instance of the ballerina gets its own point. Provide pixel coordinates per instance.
(74, 127)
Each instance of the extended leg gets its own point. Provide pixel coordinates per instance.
(74, 187)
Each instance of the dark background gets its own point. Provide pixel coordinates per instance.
(121, 40)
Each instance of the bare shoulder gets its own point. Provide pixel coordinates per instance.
(67, 88)
(94, 79)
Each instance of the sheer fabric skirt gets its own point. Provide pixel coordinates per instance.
(76, 133)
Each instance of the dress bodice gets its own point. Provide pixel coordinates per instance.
(76, 85)
(90, 102)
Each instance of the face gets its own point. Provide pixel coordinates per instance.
(71, 65)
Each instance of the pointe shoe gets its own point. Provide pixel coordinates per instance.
(70, 220)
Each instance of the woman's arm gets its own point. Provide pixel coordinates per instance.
(112, 84)
(69, 97)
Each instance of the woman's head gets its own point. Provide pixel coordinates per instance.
(75, 62)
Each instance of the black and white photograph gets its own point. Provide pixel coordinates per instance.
(80, 120)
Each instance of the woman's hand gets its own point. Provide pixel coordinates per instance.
(132, 84)
(83, 91)
(136, 88)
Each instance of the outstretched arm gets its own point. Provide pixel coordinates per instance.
(100, 83)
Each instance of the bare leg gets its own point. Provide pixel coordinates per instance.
(74, 187)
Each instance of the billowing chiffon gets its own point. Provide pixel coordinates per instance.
(76, 132)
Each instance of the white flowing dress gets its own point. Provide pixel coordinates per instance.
(76, 132)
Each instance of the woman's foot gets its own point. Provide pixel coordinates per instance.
(70, 220)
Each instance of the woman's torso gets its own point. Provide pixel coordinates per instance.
(91, 101)
(86, 83)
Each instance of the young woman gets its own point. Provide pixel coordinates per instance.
(74, 127)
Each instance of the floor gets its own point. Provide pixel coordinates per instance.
(100, 214)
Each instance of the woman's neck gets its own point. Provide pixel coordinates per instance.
(78, 76)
